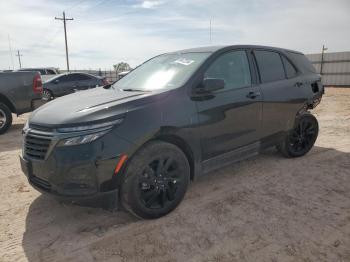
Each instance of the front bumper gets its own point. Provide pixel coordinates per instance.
(106, 199)
(82, 174)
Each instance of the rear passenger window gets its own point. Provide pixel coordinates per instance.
(81, 77)
(233, 68)
(290, 69)
(270, 66)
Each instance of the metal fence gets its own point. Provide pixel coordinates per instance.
(334, 67)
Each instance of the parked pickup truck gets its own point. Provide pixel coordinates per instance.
(20, 92)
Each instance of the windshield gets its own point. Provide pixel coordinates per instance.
(166, 71)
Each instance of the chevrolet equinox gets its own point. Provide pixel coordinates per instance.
(141, 140)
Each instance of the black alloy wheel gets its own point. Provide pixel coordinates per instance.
(301, 139)
(156, 180)
(159, 183)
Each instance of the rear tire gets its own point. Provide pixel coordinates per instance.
(156, 180)
(47, 95)
(301, 138)
(5, 118)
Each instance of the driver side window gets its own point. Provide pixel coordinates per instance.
(233, 68)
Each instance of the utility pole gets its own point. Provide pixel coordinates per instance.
(210, 30)
(64, 19)
(10, 49)
(19, 59)
(322, 57)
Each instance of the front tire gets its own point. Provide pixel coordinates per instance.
(5, 118)
(302, 138)
(156, 180)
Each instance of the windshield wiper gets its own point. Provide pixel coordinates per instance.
(135, 90)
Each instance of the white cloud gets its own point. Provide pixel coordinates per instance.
(105, 32)
(149, 4)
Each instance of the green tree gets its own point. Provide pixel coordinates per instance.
(121, 67)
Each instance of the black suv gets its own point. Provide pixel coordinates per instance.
(175, 117)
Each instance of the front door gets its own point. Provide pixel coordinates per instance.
(230, 118)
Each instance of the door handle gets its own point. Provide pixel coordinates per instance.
(253, 95)
(298, 84)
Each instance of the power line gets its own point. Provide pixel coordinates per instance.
(64, 19)
(19, 59)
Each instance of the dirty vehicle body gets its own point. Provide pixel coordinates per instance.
(68, 83)
(45, 72)
(20, 92)
(175, 117)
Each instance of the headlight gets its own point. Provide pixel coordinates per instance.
(103, 125)
(83, 139)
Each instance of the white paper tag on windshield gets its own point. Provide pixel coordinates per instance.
(184, 61)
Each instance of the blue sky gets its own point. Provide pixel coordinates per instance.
(105, 32)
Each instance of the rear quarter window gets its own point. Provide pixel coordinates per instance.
(302, 62)
(270, 66)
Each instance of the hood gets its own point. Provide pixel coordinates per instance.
(85, 106)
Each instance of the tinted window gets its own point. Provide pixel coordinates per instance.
(74, 77)
(270, 66)
(81, 77)
(233, 68)
(290, 69)
(302, 62)
(68, 78)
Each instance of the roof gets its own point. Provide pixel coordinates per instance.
(212, 49)
(34, 68)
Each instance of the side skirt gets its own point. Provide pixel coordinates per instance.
(230, 157)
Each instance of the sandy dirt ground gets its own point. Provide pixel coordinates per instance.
(264, 209)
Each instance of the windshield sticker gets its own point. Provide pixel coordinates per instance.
(183, 61)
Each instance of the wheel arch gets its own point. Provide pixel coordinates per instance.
(182, 145)
(8, 103)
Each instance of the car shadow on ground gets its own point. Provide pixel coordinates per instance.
(52, 225)
(54, 229)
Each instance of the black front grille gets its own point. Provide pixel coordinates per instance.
(43, 184)
(36, 146)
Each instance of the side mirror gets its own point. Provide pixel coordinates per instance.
(212, 84)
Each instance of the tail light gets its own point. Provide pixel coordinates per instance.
(105, 82)
(37, 84)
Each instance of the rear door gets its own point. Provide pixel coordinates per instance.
(84, 82)
(229, 118)
(66, 84)
(279, 81)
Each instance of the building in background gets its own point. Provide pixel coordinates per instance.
(334, 67)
